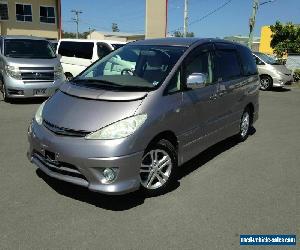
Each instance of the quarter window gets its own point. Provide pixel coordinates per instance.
(47, 14)
(24, 12)
(228, 64)
(3, 11)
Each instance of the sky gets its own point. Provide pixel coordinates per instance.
(233, 19)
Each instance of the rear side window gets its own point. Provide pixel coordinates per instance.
(248, 64)
(228, 64)
(76, 49)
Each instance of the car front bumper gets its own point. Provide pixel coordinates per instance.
(281, 80)
(80, 162)
(28, 89)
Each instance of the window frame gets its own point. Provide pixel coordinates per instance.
(6, 3)
(29, 4)
(55, 16)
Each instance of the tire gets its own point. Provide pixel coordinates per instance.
(69, 76)
(266, 82)
(245, 125)
(3, 91)
(158, 167)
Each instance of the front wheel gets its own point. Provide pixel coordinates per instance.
(4, 92)
(158, 167)
(266, 82)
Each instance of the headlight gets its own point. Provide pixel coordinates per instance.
(118, 129)
(58, 72)
(38, 115)
(13, 72)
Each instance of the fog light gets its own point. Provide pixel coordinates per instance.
(109, 174)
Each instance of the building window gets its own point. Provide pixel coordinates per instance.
(3, 11)
(23, 12)
(47, 14)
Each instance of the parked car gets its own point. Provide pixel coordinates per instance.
(131, 118)
(77, 54)
(271, 72)
(28, 67)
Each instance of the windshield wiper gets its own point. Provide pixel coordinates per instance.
(95, 81)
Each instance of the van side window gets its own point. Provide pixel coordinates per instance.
(249, 65)
(76, 49)
(228, 64)
(200, 62)
(102, 50)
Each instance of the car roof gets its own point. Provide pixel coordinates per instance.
(178, 41)
(93, 41)
(24, 37)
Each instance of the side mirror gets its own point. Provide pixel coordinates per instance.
(196, 80)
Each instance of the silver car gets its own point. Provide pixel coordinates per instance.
(29, 67)
(129, 120)
(272, 73)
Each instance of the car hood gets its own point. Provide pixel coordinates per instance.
(87, 114)
(26, 62)
(282, 68)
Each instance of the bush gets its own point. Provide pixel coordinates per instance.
(296, 75)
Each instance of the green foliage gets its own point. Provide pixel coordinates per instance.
(285, 38)
(297, 74)
(114, 27)
(180, 34)
(83, 35)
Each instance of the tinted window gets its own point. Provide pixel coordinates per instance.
(26, 48)
(102, 50)
(76, 49)
(248, 64)
(228, 64)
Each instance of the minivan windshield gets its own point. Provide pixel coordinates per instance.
(133, 67)
(26, 48)
(267, 59)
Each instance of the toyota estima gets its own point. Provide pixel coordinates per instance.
(133, 117)
(28, 68)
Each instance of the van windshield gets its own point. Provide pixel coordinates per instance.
(132, 66)
(267, 59)
(26, 48)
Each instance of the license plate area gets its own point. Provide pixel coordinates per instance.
(39, 91)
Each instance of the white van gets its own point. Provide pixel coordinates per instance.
(78, 54)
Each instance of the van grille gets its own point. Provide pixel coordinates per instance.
(37, 73)
(64, 131)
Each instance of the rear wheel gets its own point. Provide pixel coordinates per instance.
(245, 125)
(158, 167)
(266, 82)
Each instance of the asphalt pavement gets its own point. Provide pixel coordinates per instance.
(228, 190)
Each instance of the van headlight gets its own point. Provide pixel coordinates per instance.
(118, 129)
(58, 72)
(39, 114)
(13, 72)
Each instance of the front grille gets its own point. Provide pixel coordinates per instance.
(46, 76)
(64, 131)
(60, 167)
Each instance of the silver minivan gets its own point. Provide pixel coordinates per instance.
(129, 120)
(29, 67)
(271, 72)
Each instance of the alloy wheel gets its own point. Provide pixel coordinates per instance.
(156, 169)
(245, 124)
(265, 83)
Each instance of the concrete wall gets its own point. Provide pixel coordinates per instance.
(34, 28)
(265, 40)
(96, 35)
(156, 18)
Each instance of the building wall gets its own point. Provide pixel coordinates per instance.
(265, 40)
(96, 35)
(156, 18)
(34, 28)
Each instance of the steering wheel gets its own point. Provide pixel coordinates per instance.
(127, 71)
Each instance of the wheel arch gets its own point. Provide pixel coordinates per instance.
(167, 135)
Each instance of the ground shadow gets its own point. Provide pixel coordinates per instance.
(280, 90)
(128, 201)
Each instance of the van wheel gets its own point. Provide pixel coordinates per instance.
(4, 92)
(158, 168)
(245, 124)
(69, 76)
(266, 82)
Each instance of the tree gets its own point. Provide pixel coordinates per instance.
(285, 38)
(83, 35)
(115, 27)
(180, 34)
